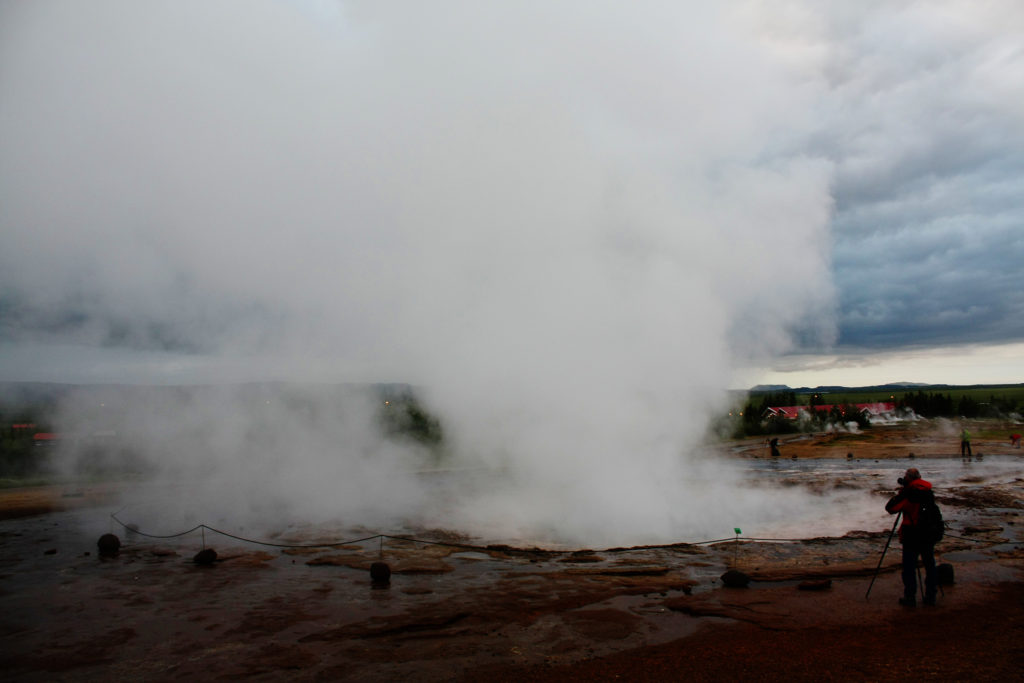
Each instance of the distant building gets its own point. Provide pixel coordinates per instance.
(880, 409)
(46, 438)
(787, 412)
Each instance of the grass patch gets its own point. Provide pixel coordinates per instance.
(15, 483)
(1013, 393)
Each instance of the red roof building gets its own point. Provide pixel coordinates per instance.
(793, 412)
(46, 438)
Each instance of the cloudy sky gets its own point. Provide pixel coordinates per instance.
(667, 195)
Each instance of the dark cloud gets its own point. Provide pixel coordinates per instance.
(924, 121)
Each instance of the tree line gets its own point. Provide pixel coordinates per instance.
(944, 405)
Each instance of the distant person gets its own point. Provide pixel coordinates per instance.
(913, 492)
(1015, 440)
(965, 443)
(774, 444)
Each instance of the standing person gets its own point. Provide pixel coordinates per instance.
(965, 443)
(774, 443)
(1015, 440)
(908, 500)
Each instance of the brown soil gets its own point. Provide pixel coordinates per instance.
(926, 439)
(503, 614)
(979, 639)
(39, 500)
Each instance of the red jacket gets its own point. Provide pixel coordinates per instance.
(908, 501)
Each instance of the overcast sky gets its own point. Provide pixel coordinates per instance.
(795, 192)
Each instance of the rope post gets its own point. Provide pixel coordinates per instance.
(736, 546)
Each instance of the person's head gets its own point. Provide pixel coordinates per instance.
(911, 474)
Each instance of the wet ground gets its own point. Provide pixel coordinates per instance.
(452, 612)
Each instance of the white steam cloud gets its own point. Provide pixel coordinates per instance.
(565, 223)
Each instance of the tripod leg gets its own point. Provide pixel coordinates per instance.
(891, 533)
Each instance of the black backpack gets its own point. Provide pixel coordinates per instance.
(929, 521)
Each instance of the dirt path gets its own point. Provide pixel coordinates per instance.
(980, 639)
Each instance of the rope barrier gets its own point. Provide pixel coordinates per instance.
(469, 546)
(241, 538)
(291, 545)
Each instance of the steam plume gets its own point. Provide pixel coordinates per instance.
(565, 224)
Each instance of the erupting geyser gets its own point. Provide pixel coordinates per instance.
(567, 243)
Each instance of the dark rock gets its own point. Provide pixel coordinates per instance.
(822, 585)
(735, 579)
(205, 556)
(108, 545)
(582, 558)
(944, 574)
(860, 533)
(621, 570)
(51, 551)
(380, 573)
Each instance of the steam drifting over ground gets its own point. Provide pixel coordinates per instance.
(565, 224)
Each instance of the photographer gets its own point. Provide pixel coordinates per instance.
(913, 492)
